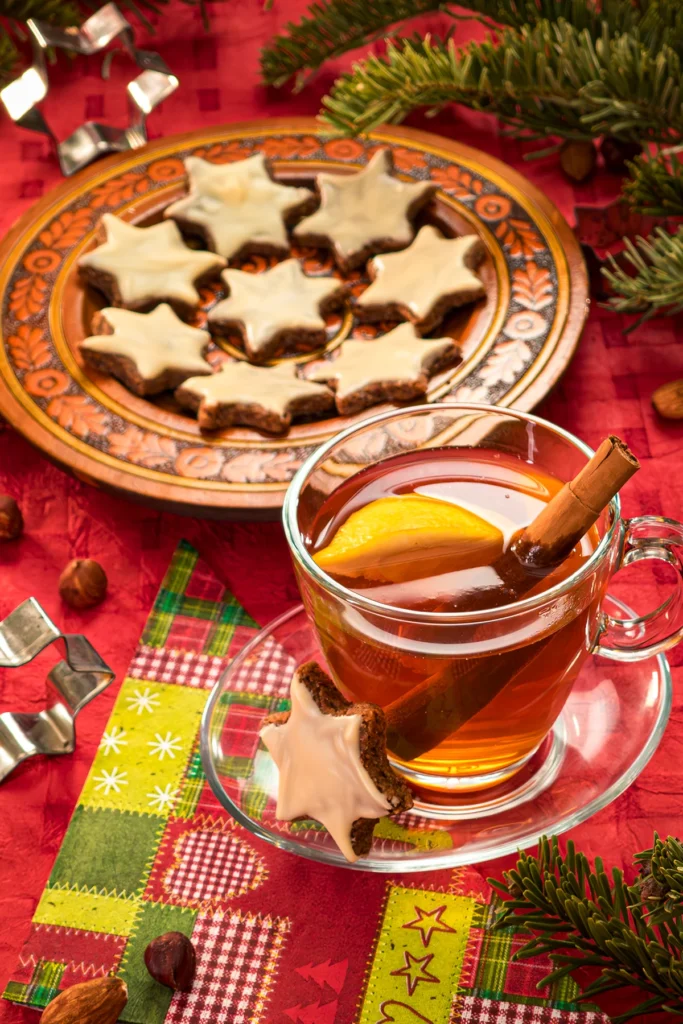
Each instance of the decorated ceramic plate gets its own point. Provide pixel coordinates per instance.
(514, 343)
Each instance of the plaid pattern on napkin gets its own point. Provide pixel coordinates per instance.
(279, 940)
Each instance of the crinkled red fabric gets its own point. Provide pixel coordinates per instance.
(607, 388)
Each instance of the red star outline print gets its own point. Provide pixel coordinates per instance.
(426, 931)
(412, 977)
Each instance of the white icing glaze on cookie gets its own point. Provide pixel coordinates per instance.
(401, 355)
(280, 299)
(321, 772)
(239, 383)
(237, 203)
(428, 270)
(369, 206)
(149, 263)
(155, 342)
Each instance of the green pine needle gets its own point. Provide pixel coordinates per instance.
(549, 79)
(657, 286)
(656, 185)
(580, 916)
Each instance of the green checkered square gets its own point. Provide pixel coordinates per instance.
(42, 988)
(170, 596)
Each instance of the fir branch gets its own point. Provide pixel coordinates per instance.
(581, 916)
(657, 286)
(547, 80)
(656, 185)
(333, 28)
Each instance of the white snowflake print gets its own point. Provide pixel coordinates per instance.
(113, 741)
(146, 701)
(164, 798)
(163, 745)
(111, 780)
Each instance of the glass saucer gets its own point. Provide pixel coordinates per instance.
(606, 734)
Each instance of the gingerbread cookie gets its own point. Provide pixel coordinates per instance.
(395, 368)
(265, 397)
(238, 207)
(148, 352)
(423, 282)
(332, 759)
(364, 213)
(138, 268)
(277, 311)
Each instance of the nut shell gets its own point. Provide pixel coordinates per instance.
(172, 961)
(11, 519)
(578, 158)
(668, 400)
(100, 1001)
(83, 583)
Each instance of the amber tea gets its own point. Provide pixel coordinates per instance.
(428, 532)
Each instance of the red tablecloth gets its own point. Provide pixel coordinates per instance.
(607, 388)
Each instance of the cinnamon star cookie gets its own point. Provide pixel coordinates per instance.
(148, 352)
(277, 310)
(137, 268)
(364, 213)
(265, 397)
(394, 368)
(332, 762)
(423, 282)
(238, 207)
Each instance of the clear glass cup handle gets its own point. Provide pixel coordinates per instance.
(645, 635)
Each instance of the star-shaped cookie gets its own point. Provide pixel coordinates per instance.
(278, 310)
(364, 213)
(137, 268)
(149, 352)
(265, 397)
(238, 207)
(424, 281)
(394, 368)
(332, 762)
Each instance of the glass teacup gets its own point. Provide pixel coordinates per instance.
(375, 650)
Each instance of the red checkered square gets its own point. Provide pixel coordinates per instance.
(473, 1010)
(186, 668)
(188, 633)
(270, 671)
(212, 866)
(204, 584)
(523, 975)
(240, 734)
(236, 961)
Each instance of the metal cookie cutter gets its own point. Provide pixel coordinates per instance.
(91, 140)
(26, 632)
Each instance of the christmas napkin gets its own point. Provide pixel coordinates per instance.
(279, 939)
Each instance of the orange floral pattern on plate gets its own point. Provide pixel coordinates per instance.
(28, 348)
(459, 182)
(532, 286)
(287, 146)
(67, 229)
(27, 297)
(259, 467)
(199, 463)
(78, 415)
(46, 383)
(142, 447)
(519, 237)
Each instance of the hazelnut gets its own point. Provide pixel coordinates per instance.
(172, 961)
(83, 583)
(99, 1001)
(11, 519)
(578, 159)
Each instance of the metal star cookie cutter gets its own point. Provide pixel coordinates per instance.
(155, 82)
(26, 632)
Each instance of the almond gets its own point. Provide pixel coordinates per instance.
(668, 400)
(94, 1002)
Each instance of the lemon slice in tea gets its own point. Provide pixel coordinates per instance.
(407, 537)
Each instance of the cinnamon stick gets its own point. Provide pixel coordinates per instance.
(439, 706)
